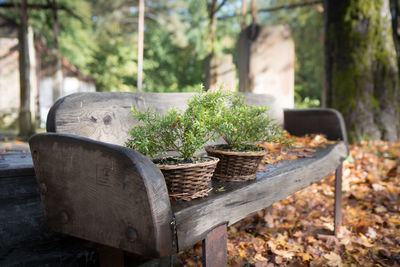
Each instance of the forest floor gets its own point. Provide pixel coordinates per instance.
(297, 231)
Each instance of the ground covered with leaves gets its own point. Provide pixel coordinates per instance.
(297, 231)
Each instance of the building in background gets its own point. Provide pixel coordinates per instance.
(42, 77)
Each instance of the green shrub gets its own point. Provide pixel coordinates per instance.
(208, 114)
(239, 124)
(183, 132)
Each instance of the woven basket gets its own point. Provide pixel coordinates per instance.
(189, 181)
(236, 166)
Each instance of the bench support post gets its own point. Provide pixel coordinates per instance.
(338, 198)
(214, 247)
(110, 257)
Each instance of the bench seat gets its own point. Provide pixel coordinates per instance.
(230, 202)
(94, 188)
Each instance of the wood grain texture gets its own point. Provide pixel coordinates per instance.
(315, 120)
(338, 198)
(25, 239)
(109, 194)
(22, 218)
(61, 252)
(16, 164)
(215, 251)
(106, 116)
(195, 218)
(103, 193)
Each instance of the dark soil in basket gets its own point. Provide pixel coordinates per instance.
(247, 148)
(175, 161)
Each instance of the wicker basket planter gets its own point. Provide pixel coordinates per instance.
(190, 180)
(236, 166)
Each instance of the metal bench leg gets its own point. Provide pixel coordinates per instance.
(338, 198)
(214, 247)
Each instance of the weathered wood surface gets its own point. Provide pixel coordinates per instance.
(195, 218)
(85, 182)
(104, 193)
(16, 164)
(61, 252)
(315, 120)
(106, 116)
(215, 251)
(25, 239)
(338, 197)
(21, 213)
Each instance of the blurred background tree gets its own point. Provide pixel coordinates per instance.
(361, 66)
(100, 38)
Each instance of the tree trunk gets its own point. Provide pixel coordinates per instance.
(25, 116)
(140, 46)
(58, 74)
(362, 76)
(34, 90)
(395, 10)
(210, 69)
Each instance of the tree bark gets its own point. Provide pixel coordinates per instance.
(140, 46)
(362, 76)
(25, 116)
(58, 74)
(210, 69)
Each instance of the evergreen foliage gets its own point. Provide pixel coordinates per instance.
(184, 132)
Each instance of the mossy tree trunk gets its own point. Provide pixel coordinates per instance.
(362, 76)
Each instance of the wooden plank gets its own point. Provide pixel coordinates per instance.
(195, 218)
(104, 193)
(315, 120)
(106, 116)
(215, 251)
(338, 198)
(14, 164)
(61, 252)
(21, 212)
(25, 239)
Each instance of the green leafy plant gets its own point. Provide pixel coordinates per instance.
(183, 132)
(239, 124)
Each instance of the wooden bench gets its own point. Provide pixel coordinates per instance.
(94, 188)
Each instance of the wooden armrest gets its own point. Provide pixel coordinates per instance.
(315, 120)
(104, 193)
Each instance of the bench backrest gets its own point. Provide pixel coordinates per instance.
(106, 116)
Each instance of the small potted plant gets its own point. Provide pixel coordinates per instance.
(242, 127)
(187, 176)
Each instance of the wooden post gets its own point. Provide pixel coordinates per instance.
(34, 91)
(25, 117)
(244, 13)
(214, 247)
(58, 75)
(140, 45)
(338, 198)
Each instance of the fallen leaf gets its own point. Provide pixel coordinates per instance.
(304, 256)
(259, 257)
(392, 172)
(278, 259)
(333, 259)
